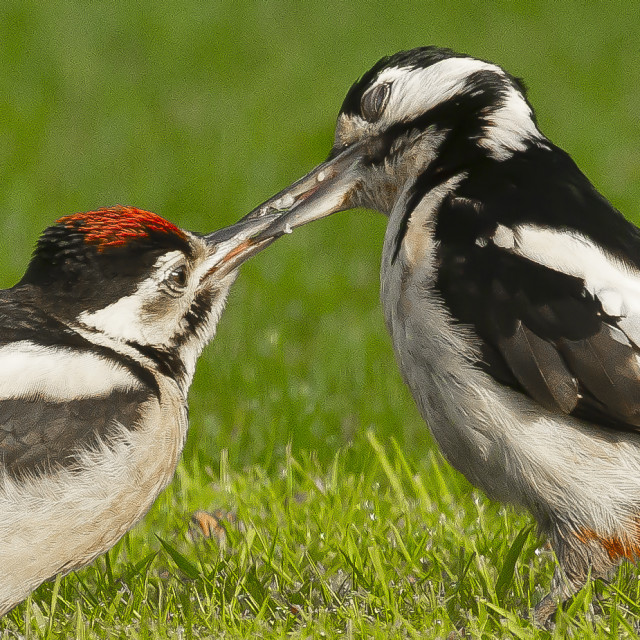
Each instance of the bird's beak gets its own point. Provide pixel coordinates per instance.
(331, 187)
(231, 246)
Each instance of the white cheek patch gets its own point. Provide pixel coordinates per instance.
(125, 319)
(119, 320)
(29, 370)
(416, 91)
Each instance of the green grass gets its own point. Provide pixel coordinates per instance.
(349, 523)
(394, 550)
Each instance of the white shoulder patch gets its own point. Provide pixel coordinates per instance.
(616, 284)
(630, 324)
(504, 237)
(29, 370)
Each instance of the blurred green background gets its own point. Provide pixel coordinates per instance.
(199, 111)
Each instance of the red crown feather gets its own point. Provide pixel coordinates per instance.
(116, 226)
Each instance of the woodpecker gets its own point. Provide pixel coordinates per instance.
(511, 291)
(98, 346)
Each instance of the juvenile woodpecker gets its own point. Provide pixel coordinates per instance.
(98, 346)
(511, 290)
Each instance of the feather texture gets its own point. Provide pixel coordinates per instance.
(546, 331)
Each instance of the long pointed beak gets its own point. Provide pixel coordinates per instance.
(331, 187)
(231, 246)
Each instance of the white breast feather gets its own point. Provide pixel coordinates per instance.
(63, 520)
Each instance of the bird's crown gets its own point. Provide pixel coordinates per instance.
(99, 244)
(436, 87)
(117, 226)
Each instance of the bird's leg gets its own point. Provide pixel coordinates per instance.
(561, 590)
(579, 560)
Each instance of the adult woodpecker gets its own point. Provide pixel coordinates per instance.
(511, 290)
(98, 346)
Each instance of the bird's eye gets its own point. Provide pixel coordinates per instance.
(374, 102)
(177, 278)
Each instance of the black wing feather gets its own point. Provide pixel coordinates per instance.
(38, 435)
(542, 332)
(540, 369)
(608, 369)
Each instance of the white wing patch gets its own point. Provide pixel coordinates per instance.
(29, 370)
(616, 284)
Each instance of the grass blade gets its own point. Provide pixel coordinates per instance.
(508, 568)
(184, 564)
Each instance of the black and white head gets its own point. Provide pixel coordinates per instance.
(419, 116)
(130, 280)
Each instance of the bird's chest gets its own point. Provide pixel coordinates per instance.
(436, 359)
(133, 472)
(61, 520)
(431, 352)
(432, 360)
